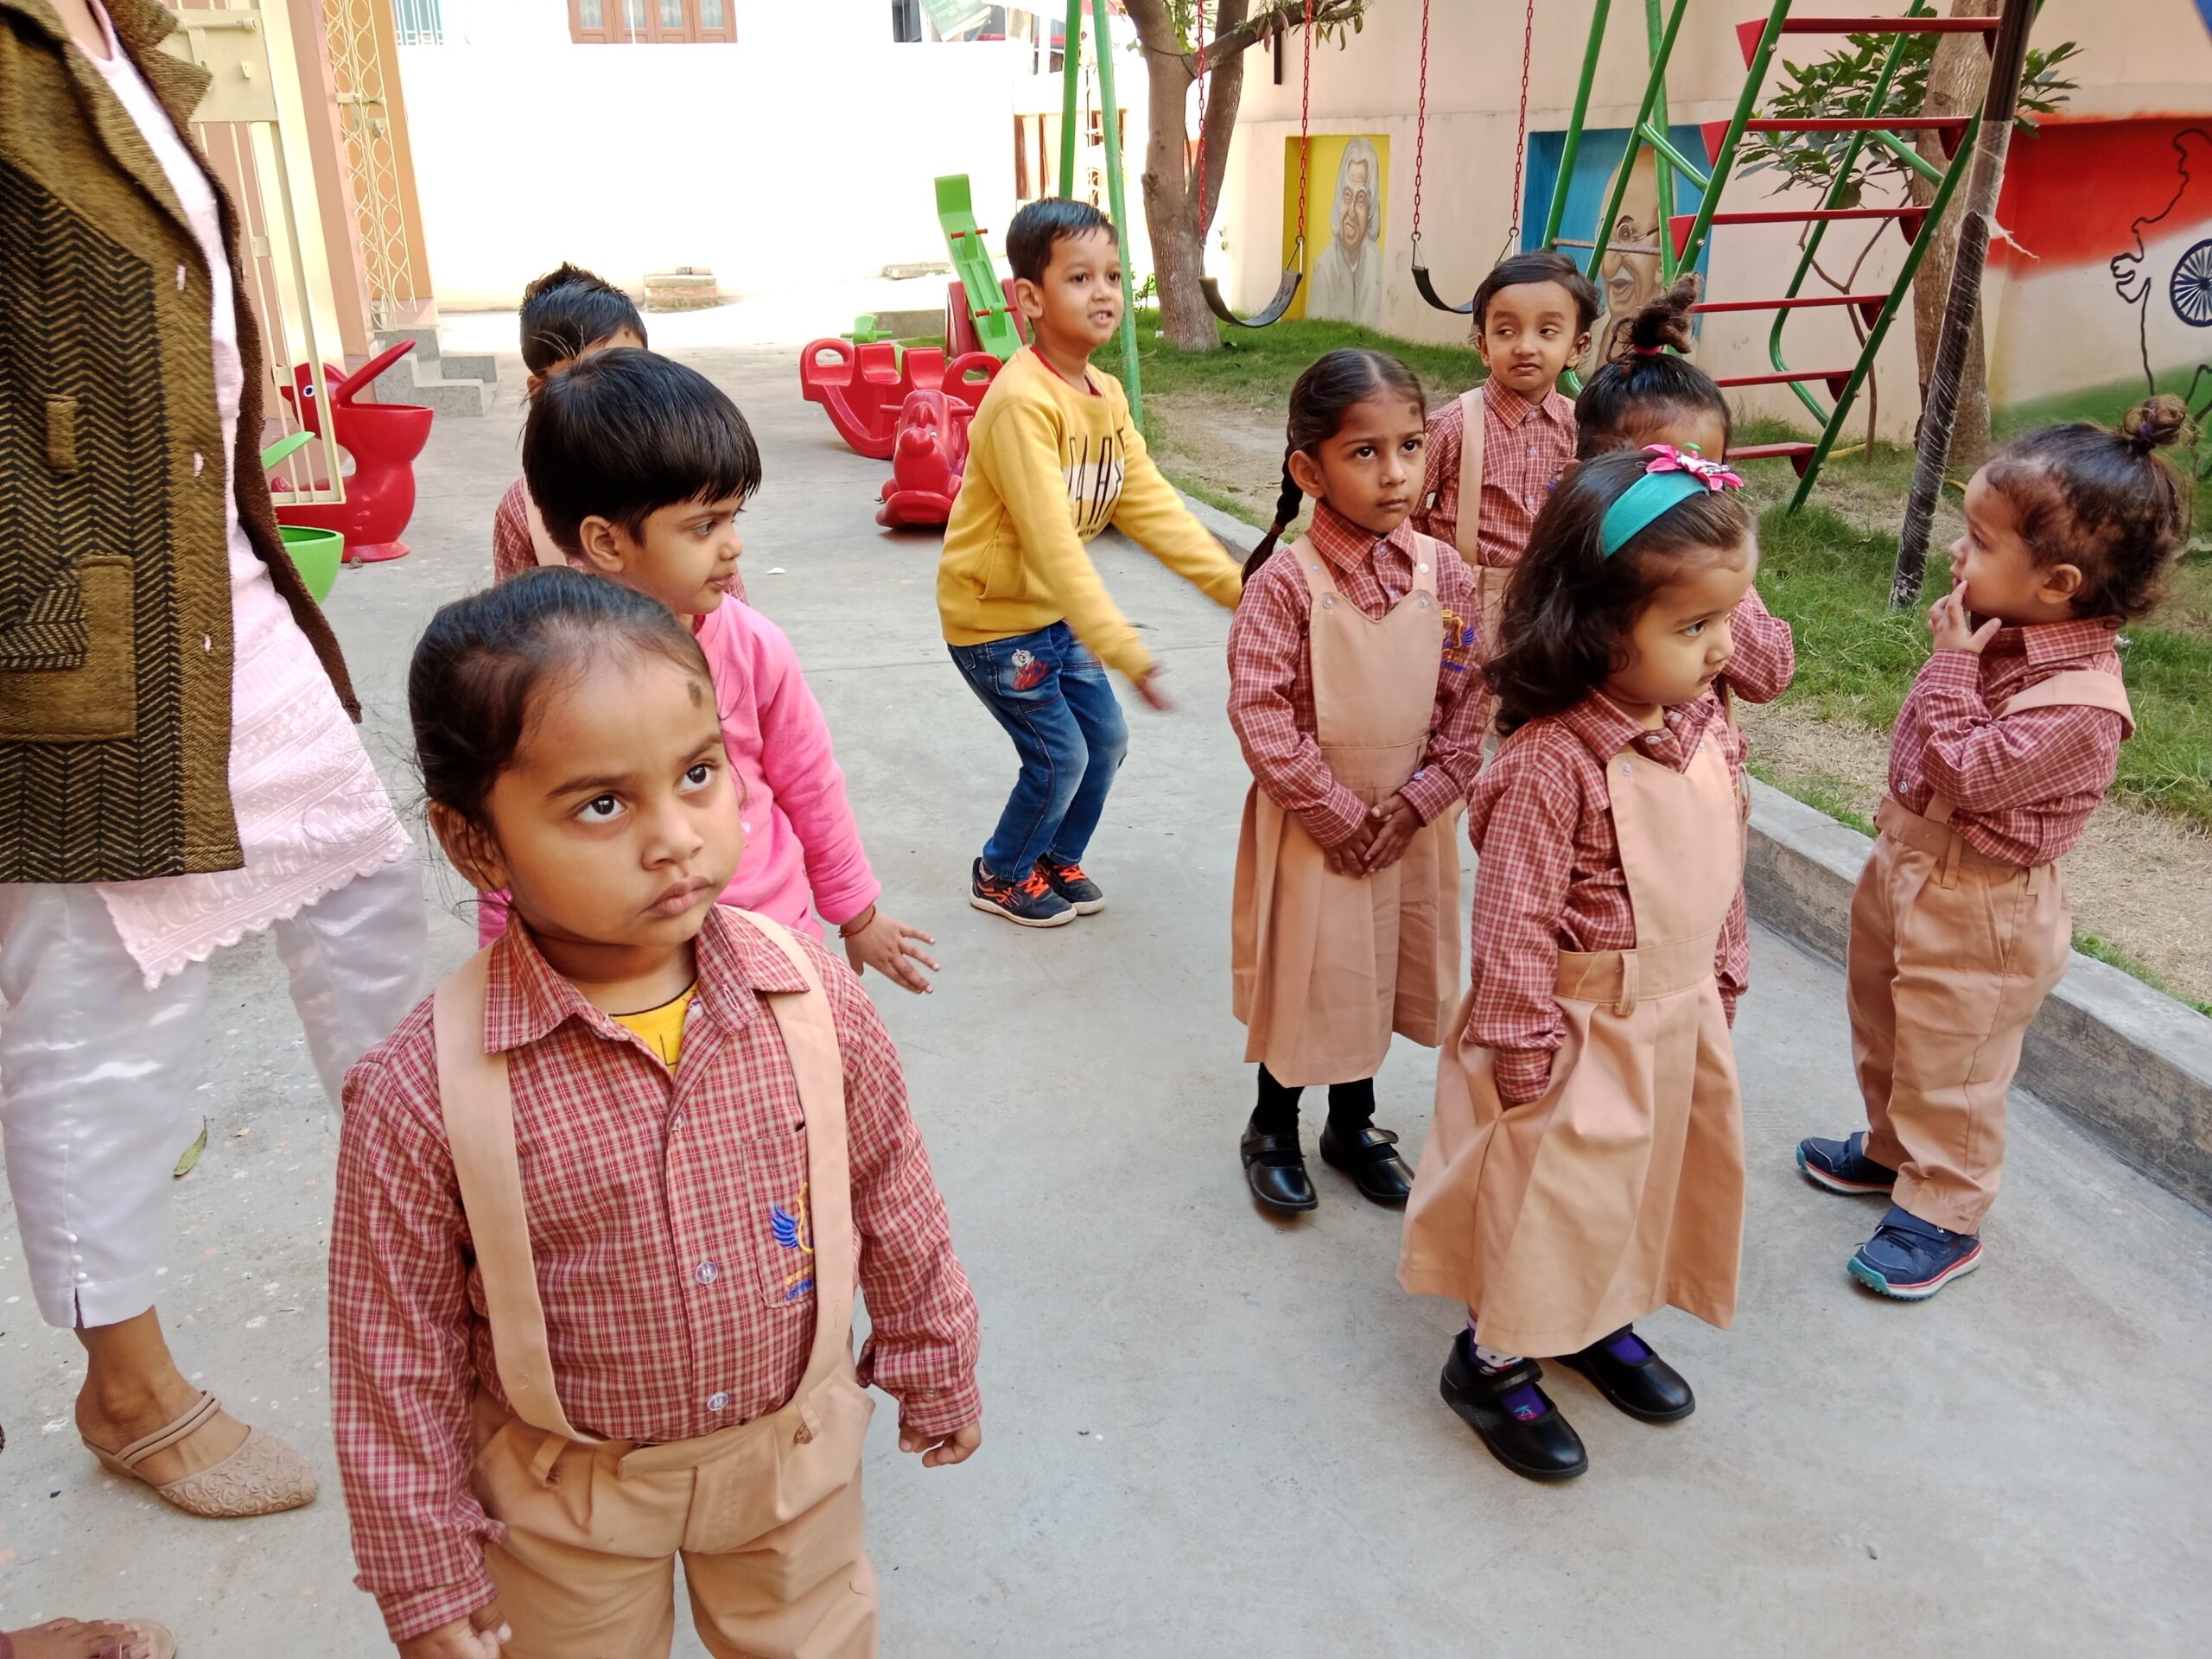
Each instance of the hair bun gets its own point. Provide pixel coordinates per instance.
(2155, 422)
(1662, 321)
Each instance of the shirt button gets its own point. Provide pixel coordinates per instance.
(180, 279)
(718, 1402)
(199, 463)
(708, 1273)
(676, 1122)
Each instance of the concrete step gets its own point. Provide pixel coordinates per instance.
(461, 383)
(470, 365)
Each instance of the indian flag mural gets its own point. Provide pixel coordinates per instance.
(2105, 267)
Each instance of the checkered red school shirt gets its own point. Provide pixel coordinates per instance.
(512, 552)
(672, 1308)
(1525, 447)
(1550, 880)
(1271, 675)
(1762, 654)
(2024, 786)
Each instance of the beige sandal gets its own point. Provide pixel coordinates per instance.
(262, 1476)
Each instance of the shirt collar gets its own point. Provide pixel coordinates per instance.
(1351, 547)
(1606, 729)
(526, 999)
(1513, 408)
(2075, 641)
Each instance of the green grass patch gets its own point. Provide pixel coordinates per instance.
(2090, 945)
(1822, 791)
(1191, 484)
(1256, 366)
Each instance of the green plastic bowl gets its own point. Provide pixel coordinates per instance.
(317, 554)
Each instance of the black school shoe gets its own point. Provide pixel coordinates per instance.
(1368, 1156)
(1072, 884)
(1275, 1169)
(1540, 1448)
(1648, 1390)
(1029, 902)
(1843, 1165)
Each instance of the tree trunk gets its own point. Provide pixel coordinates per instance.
(1957, 80)
(1171, 206)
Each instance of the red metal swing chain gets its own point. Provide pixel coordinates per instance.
(1304, 123)
(1305, 113)
(1520, 138)
(1420, 127)
(1201, 9)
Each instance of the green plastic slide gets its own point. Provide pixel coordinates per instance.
(976, 273)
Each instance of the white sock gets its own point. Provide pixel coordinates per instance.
(1489, 1358)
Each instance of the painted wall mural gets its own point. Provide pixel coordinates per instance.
(2109, 266)
(1344, 235)
(1629, 274)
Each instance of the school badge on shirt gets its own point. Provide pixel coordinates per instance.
(794, 1231)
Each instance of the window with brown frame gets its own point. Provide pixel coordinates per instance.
(649, 22)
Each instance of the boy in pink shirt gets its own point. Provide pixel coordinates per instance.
(639, 467)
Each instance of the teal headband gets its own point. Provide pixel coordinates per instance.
(1674, 477)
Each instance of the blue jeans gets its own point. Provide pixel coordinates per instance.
(1056, 703)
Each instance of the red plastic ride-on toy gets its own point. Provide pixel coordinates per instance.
(929, 449)
(383, 439)
(864, 388)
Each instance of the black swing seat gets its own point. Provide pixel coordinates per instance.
(1271, 312)
(1428, 292)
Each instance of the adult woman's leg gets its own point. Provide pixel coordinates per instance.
(355, 957)
(98, 1075)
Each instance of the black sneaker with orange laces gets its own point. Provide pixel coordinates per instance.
(1028, 903)
(1072, 884)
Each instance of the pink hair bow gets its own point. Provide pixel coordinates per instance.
(1713, 475)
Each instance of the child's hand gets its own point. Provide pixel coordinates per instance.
(1148, 686)
(482, 1635)
(1952, 629)
(888, 946)
(1349, 858)
(939, 1450)
(1395, 824)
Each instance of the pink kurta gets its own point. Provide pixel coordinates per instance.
(312, 813)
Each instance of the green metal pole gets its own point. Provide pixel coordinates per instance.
(1110, 115)
(1662, 176)
(1573, 144)
(1611, 215)
(1070, 93)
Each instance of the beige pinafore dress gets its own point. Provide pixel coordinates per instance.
(1327, 967)
(1620, 1189)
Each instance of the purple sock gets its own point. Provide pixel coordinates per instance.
(1626, 1346)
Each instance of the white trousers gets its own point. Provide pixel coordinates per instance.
(98, 1075)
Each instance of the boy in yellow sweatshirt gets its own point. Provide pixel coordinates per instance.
(1053, 459)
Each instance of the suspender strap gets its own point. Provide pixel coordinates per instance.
(1471, 476)
(480, 1113)
(479, 1107)
(2085, 688)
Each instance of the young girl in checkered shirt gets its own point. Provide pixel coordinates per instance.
(1353, 689)
(1960, 926)
(1584, 1161)
(604, 1200)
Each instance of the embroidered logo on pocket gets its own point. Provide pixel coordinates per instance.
(794, 1231)
(1028, 671)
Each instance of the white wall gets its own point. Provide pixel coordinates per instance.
(802, 153)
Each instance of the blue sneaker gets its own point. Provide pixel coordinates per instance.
(1910, 1260)
(1843, 1165)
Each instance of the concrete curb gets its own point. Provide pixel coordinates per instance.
(2131, 1064)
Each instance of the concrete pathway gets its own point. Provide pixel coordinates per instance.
(1206, 1433)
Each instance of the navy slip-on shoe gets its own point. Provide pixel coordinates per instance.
(1843, 1165)
(1910, 1260)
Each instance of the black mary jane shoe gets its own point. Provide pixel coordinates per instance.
(1276, 1169)
(1371, 1160)
(1648, 1390)
(1540, 1448)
